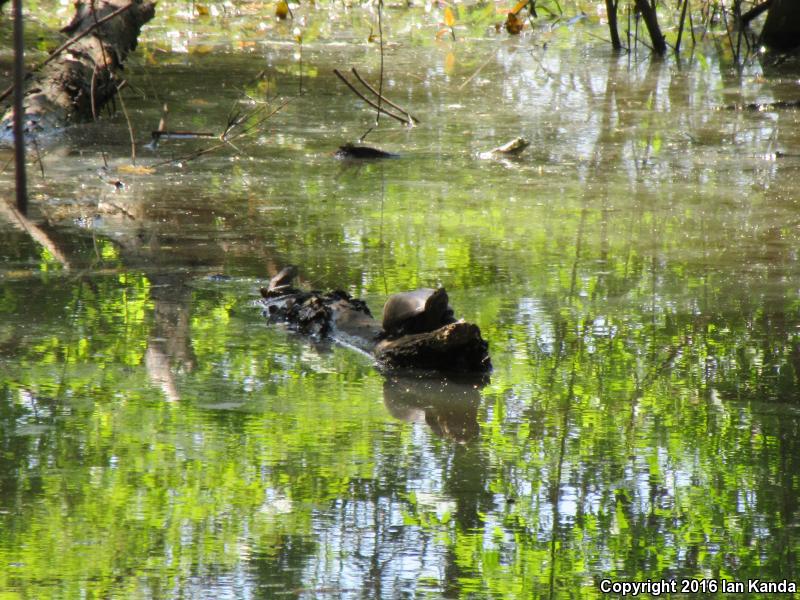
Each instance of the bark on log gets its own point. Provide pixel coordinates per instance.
(782, 27)
(84, 77)
(456, 347)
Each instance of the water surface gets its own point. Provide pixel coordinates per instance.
(635, 272)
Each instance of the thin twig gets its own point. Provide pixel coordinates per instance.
(367, 100)
(680, 27)
(381, 97)
(105, 62)
(475, 74)
(66, 45)
(127, 118)
(380, 82)
(38, 155)
(225, 142)
(20, 181)
(91, 93)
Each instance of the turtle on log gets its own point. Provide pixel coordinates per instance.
(417, 330)
(418, 311)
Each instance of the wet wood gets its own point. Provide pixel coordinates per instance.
(83, 74)
(362, 152)
(455, 347)
(782, 27)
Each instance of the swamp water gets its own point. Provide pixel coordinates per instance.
(635, 272)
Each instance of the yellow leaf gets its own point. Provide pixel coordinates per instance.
(519, 6)
(282, 9)
(201, 10)
(135, 170)
(449, 17)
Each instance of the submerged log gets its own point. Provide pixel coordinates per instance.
(78, 81)
(451, 345)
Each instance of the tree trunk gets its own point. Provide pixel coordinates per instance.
(782, 26)
(74, 85)
(611, 10)
(651, 21)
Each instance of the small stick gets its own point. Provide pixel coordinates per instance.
(475, 74)
(367, 100)
(181, 134)
(386, 100)
(680, 27)
(127, 118)
(224, 143)
(91, 93)
(380, 81)
(38, 155)
(66, 45)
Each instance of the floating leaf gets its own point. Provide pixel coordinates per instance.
(449, 17)
(282, 9)
(135, 170)
(514, 24)
(519, 6)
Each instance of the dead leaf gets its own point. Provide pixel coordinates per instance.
(514, 24)
(202, 10)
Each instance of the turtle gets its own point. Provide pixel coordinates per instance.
(418, 311)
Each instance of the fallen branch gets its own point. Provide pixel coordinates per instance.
(71, 86)
(383, 98)
(370, 102)
(57, 52)
(36, 233)
(225, 138)
(755, 12)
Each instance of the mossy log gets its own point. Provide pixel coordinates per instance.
(74, 85)
(455, 346)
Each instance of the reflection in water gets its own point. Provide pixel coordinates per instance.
(449, 408)
(169, 347)
(635, 273)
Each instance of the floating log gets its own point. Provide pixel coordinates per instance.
(82, 75)
(451, 345)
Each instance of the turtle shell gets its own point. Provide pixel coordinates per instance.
(417, 311)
